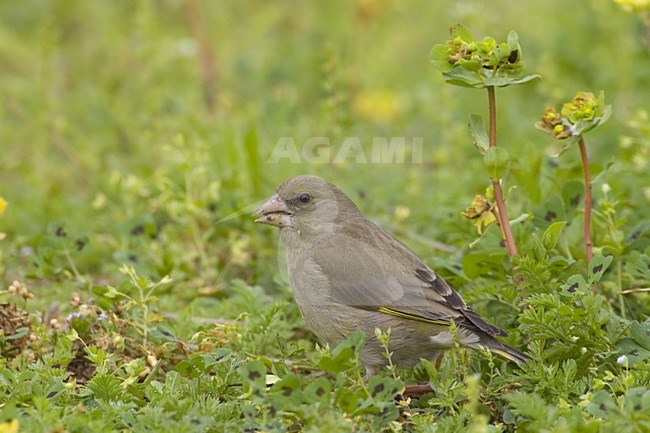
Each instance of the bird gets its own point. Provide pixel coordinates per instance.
(348, 274)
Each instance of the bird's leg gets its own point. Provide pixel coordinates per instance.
(439, 361)
(423, 389)
(371, 370)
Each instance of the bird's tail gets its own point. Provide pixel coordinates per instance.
(503, 350)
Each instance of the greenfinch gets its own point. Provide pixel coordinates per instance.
(348, 274)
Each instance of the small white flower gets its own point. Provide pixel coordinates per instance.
(622, 360)
(606, 188)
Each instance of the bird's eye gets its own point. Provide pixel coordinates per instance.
(304, 197)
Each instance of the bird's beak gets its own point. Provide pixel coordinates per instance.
(274, 213)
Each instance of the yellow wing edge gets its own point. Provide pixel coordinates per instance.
(408, 316)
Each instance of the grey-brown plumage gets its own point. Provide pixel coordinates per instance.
(347, 274)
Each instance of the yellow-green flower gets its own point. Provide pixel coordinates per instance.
(583, 107)
(477, 208)
(583, 113)
(552, 123)
(482, 211)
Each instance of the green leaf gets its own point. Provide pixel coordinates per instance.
(527, 174)
(195, 367)
(460, 76)
(508, 416)
(482, 264)
(513, 40)
(286, 393)
(496, 161)
(638, 233)
(607, 113)
(500, 52)
(387, 412)
(559, 262)
(634, 352)
(583, 126)
(106, 387)
(479, 134)
(439, 58)
(430, 369)
(537, 247)
(470, 65)
(111, 292)
(597, 267)
(552, 234)
(641, 333)
(572, 192)
(603, 405)
(253, 374)
(345, 355)
(73, 335)
(347, 400)
(530, 406)
(636, 403)
(551, 211)
(576, 284)
(598, 171)
(319, 391)
(500, 81)
(463, 32)
(638, 266)
(384, 388)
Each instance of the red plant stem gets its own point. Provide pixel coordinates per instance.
(588, 202)
(504, 221)
(492, 107)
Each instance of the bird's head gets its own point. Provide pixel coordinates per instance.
(307, 204)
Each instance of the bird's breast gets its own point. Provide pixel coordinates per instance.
(330, 321)
(308, 282)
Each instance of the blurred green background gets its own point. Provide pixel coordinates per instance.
(135, 139)
(105, 132)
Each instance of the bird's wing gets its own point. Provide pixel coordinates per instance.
(380, 273)
(453, 299)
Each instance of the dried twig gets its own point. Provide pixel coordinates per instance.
(639, 290)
